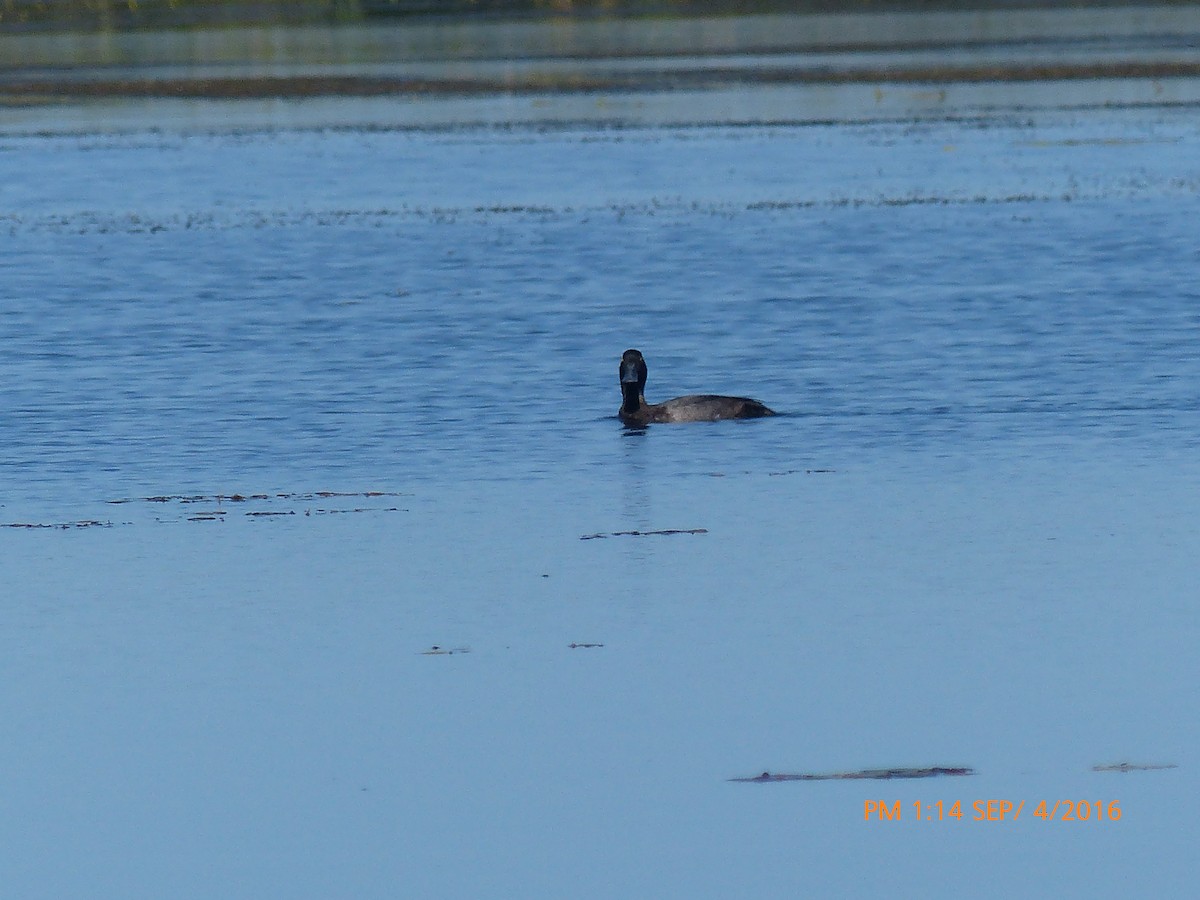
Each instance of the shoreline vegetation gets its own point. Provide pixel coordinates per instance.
(308, 86)
(87, 16)
(234, 49)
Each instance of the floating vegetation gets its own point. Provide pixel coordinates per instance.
(357, 509)
(254, 500)
(863, 774)
(244, 498)
(779, 473)
(217, 507)
(1134, 767)
(592, 537)
(435, 650)
(61, 526)
(91, 222)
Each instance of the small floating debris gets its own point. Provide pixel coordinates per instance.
(1134, 767)
(583, 646)
(435, 650)
(874, 774)
(271, 512)
(592, 537)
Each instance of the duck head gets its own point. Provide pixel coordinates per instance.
(633, 381)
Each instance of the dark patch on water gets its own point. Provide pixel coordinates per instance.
(61, 526)
(863, 774)
(244, 498)
(1134, 767)
(592, 537)
(220, 513)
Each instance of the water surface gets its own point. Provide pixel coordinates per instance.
(970, 539)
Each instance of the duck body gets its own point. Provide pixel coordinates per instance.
(692, 408)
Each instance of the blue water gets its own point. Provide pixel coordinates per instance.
(296, 310)
(969, 539)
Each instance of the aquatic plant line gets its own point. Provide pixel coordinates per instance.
(219, 505)
(83, 223)
(862, 774)
(663, 531)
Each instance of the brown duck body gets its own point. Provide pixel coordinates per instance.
(693, 408)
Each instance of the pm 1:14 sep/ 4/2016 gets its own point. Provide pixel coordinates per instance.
(993, 810)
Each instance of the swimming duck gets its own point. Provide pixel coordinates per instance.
(693, 408)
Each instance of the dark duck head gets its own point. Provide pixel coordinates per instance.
(693, 408)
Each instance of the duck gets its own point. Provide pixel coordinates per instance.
(693, 408)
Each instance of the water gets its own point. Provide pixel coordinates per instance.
(969, 539)
(294, 309)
